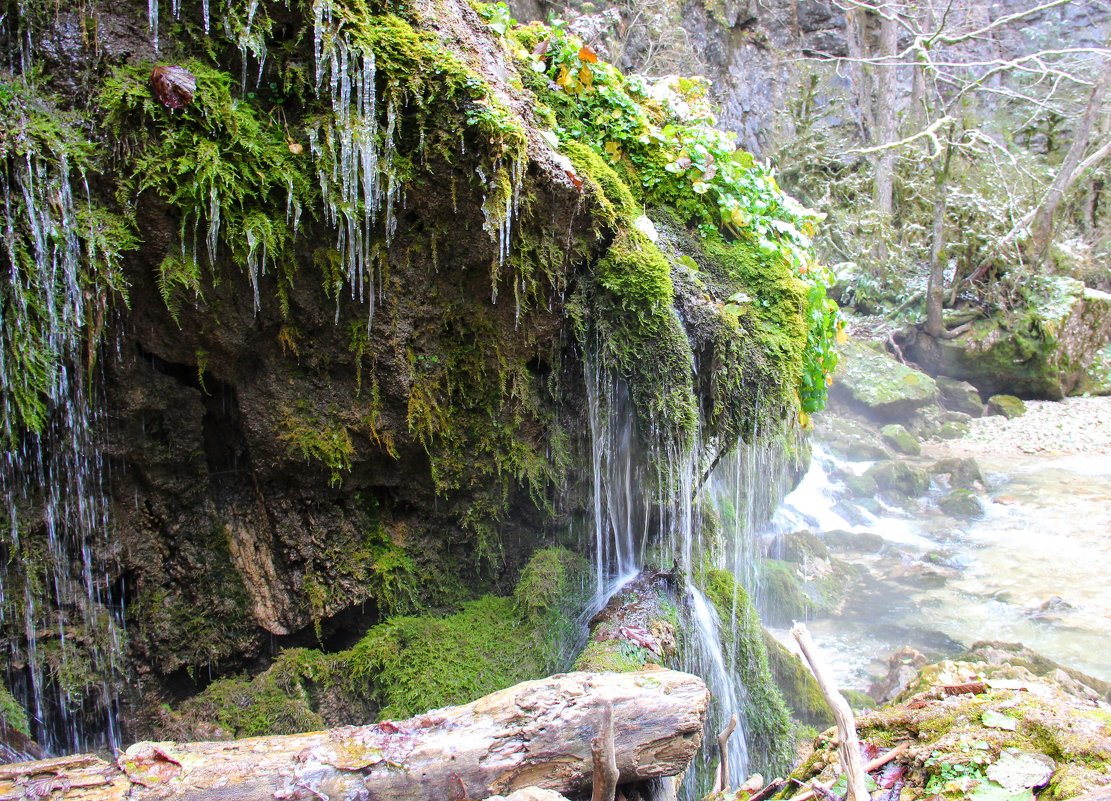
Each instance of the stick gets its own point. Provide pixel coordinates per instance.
(723, 749)
(605, 761)
(849, 748)
(878, 762)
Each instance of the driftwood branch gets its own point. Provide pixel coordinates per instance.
(604, 759)
(528, 735)
(849, 747)
(722, 782)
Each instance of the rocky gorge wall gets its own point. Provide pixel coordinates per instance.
(332, 286)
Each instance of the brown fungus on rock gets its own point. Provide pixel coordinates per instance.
(173, 86)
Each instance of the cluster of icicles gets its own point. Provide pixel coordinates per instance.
(650, 510)
(353, 152)
(71, 627)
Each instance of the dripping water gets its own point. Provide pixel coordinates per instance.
(643, 513)
(64, 631)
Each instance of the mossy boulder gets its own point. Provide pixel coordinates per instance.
(1039, 350)
(859, 541)
(1007, 405)
(952, 430)
(962, 504)
(899, 480)
(901, 440)
(960, 396)
(850, 438)
(1097, 379)
(862, 486)
(961, 471)
(875, 383)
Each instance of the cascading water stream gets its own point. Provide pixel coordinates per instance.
(642, 512)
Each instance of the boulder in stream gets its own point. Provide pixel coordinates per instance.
(875, 383)
(899, 480)
(901, 440)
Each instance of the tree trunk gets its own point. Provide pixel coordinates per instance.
(537, 733)
(855, 36)
(1042, 228)
(935, 286)
(886, 76)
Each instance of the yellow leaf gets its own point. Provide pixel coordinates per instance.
(564, 78)
(740, 219)
(587, 55)
(804, 419)
(842, 337)
(613, 150)
(586, 77)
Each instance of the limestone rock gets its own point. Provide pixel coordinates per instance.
(962, 472)
(1007, 405)
(960, 396)
(861, 541)
(962, 504)
(899, 480)
(900, 439)
(876, 383)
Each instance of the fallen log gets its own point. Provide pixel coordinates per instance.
(537, 733)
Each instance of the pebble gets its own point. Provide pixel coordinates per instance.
(1072, 426)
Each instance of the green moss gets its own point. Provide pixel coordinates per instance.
(325, 441)
(222, 164)
(12, 714)
(797, 684)
(407, 665)
(62, 254)
(254, 707)
(768, 725)
(641, 336)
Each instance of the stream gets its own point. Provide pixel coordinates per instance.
(1029, 571)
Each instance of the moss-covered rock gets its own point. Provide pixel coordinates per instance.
(860, 541)
(960, 396)
(797, 684)
(962, 504)
(405, 665)
(966, 744)
(877, 384)
(961, 471)
(862, 486)
(1007, 405)
(901, 440)
(850, 438)
(1041, 349)
(899, 480)
(767, 721)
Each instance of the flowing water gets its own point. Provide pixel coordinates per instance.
(652, 514)
(1029, 571)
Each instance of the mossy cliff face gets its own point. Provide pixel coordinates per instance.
(362, 266)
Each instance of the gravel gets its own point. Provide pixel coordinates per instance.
(1072, 426)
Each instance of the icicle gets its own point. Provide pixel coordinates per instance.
(152, 19)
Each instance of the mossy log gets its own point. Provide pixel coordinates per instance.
(537, 733)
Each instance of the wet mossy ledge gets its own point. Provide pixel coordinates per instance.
(336, 310)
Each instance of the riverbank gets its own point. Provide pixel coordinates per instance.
(1074, 426)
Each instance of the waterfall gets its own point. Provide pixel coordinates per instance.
(682, 508)
(64, 628)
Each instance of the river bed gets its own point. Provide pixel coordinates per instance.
(1032, 570)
